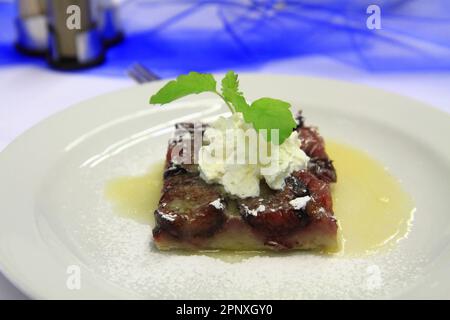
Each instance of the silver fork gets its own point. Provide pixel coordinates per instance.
(141, 74)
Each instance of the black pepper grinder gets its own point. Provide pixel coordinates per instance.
(74, 40)
(31, 26)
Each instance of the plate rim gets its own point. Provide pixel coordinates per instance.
(36, 293)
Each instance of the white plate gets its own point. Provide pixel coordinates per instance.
(54, 215)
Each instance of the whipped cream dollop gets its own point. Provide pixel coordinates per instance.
(238, 157)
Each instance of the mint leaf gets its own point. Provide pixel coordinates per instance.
(268, 113)
(193, 83)
(230, 84)
(231, 93)
(264, 113)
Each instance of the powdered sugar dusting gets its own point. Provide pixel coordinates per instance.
(121, 251)
(254, 212)
(125, 254)
(167, 216)
(300, 203)
(218, 204)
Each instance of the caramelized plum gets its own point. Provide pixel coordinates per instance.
(189, 207)
(272, 213)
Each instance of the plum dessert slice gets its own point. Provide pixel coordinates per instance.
(196, 215)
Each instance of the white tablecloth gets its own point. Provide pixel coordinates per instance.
(30, 94)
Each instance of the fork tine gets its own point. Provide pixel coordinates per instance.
(141, 74)
(136, 76)
(148, 74)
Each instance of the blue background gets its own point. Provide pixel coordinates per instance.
(172, 36)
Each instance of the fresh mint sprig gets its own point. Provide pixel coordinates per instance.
(264, 113)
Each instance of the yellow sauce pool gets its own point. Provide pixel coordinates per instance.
(372, 209)
(137, 197)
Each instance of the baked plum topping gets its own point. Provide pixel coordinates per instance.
(297, 187)
(190, 208)
(173, 170)
(312, 143)
(323, 169)
(321, 203)
(300, 120)
(181, 153)
(314, 147)
(272, 214)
